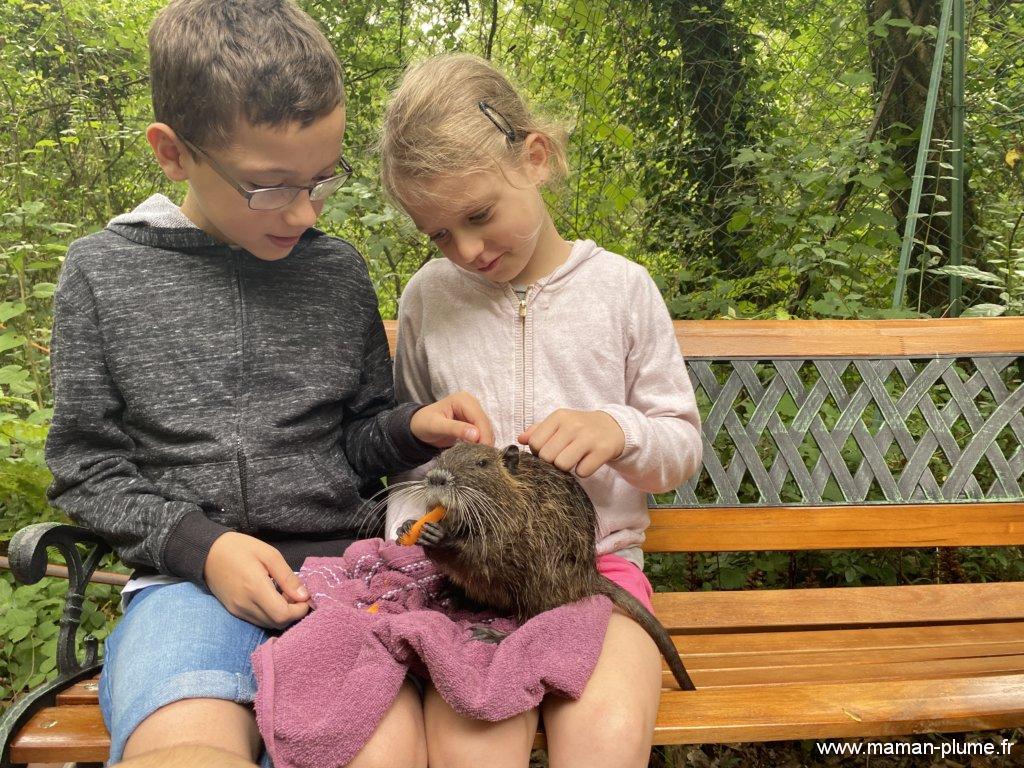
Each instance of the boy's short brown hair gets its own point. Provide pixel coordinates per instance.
(212, 62)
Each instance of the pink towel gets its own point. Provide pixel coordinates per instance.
(325, 684)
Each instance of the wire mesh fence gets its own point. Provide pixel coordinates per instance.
(757, 156)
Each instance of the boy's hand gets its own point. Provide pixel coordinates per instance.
(580, 440)
(241, 571)
(453, 418)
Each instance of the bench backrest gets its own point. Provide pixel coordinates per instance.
(824, 434)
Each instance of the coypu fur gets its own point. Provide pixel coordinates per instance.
(518, 537)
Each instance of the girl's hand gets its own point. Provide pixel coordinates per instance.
(580, 441)
(453, 418)
(254, 582)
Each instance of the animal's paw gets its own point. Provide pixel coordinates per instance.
(431, 535)
(403, 529)
(488, 634)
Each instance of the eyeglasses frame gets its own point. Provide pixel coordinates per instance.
(248, 194)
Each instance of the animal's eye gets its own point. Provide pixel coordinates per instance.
(482, 462)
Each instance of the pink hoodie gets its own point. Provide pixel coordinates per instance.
(592, 335)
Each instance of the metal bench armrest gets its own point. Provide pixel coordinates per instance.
(28, 559)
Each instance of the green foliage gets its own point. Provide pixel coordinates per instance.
(826, 568)
(29, 629)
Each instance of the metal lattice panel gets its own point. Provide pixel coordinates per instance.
(834, 431)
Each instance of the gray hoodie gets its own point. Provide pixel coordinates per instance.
(200, 390)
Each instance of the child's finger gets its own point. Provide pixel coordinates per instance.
(292, 612)
(569, 457)
(279, 612)
(554, 446)
(450, 431)
(273, 605)
(286, 579)
(468, 409)
(589, 464)
(540, 434)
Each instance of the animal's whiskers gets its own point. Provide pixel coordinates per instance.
(376, 506)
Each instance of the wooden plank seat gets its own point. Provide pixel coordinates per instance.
(818, 435)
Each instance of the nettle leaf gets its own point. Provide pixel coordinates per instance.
(17, 617)
(970, 273)
(738, 221)
(23, 432)
(13, 374)
(11, 339)
(984, 310)
(43, 290)
(860, 77)
(9, 309)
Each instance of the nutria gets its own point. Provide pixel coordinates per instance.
(518, 537)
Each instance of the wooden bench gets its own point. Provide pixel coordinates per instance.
(818, 435)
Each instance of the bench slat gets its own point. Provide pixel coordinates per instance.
(852, 655)
(757, 610)
(62, 734)
(867, 526)
(942, 641)
(865, 656)
(823, 710)
(840, 670)
(82, 692)
(762, 339)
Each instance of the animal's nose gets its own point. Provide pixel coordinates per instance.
(438, 477)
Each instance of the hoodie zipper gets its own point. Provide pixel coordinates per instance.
(522, 360)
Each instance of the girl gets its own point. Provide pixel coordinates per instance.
(570, 350)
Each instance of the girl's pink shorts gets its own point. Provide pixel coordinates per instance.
(628, 576)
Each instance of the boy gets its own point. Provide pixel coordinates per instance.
(222, 385)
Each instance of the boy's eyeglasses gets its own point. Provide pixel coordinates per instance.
(271, 198)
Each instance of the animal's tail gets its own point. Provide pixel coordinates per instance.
(636, 611)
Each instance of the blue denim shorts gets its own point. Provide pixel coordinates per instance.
(175, 641)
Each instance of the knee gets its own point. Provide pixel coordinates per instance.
(620, 734)
(621, 730)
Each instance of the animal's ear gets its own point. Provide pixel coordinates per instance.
(511, 459)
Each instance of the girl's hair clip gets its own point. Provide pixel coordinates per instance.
(499, 120)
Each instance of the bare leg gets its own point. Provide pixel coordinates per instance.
(214, 723)
(612, 723)
(225, 725)
(399, 741)
(187, 756)
(454, 741)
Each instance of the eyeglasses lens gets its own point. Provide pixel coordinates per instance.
(327, 187)
(269, 199)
